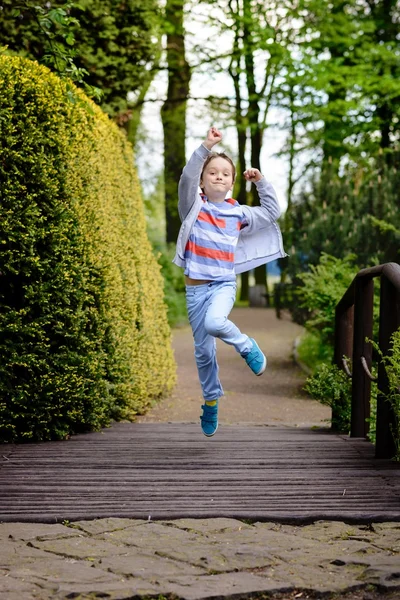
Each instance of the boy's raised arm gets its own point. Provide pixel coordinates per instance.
(190, 178)
(268, 200)
(214, 136)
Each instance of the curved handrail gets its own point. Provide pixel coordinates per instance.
(390, 270)
(353, 329)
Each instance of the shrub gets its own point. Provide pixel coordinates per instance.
(323, 287)
(331, 386)
(312, 351)
(84, 334)
(392, 365)
(174, 285)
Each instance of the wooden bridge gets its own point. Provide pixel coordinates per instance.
(166, 471)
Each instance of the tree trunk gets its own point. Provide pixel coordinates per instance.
(334, 131)
(173, 114)
(283, 262)
(240, 193)
(387, 30)
(253, 114)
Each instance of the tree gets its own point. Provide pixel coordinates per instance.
(173, 113)
(354, 213)
(262, 36)
(348, 57)
(114, 41)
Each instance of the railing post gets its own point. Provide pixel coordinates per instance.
(361, 388)
(344, 319)
(389, 322)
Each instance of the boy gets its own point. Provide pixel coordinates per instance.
(218, 239)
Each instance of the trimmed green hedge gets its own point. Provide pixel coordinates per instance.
(83, 329)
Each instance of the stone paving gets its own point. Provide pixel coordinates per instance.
(192, 559)
(195, 559)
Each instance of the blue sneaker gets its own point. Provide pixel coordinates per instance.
(209, 419)
(256, 360)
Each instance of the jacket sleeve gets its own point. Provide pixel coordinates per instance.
(268, 200)
(190, 181)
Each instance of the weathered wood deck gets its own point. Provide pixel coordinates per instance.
(169, 470)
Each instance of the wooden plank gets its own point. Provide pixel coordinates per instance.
(170, 471)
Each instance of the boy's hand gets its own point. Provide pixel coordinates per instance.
(252, 175)
(213, 137)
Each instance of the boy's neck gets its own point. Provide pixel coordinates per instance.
(216, 199)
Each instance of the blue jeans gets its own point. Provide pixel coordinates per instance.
(208, 306)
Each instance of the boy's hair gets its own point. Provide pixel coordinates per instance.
(219, 155)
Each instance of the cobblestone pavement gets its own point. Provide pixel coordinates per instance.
(194, 559)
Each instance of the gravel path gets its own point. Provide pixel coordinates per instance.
(275, 398)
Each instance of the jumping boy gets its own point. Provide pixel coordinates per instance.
(218, 239)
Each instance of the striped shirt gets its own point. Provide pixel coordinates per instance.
(210, 249)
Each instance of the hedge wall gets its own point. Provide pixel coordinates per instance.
(83, 328)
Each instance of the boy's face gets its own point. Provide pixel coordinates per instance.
(217, 178)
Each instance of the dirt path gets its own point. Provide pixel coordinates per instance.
(275, 398)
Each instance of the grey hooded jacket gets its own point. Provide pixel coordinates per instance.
(259, 242)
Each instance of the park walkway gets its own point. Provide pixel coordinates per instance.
(273, 504)
(275, 398)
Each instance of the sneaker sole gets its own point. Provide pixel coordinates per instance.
(210, 434)
(263, 367)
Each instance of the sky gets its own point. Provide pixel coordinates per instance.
(149, 156)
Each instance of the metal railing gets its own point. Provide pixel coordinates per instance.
(353, 326)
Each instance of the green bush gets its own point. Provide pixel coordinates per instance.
(323, 287)
(331, 386)
(174, 285)
(392, 365)
(84, 333)
(312, 352)
(354, 212)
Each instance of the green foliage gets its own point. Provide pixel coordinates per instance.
(174, 285)
(286, 297)
(392, 366)
(312, 352)
(331, 386)
(355, 213)
(348, 75)
(83, 329)
(56, 27)
(107, 43)
(372, 419)
(323, 287)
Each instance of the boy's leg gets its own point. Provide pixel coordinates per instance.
(197, 300)
(216, 321)
(218, 325)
